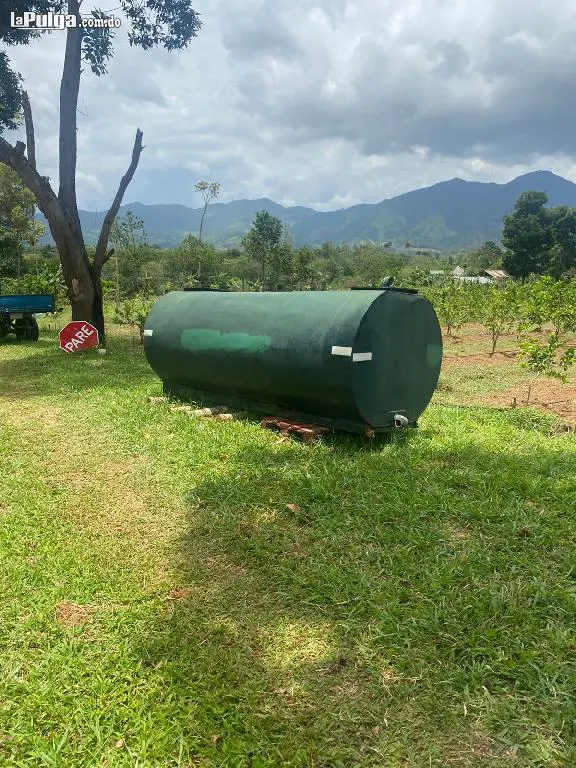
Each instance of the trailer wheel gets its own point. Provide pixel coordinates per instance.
(26, 329)
(34, 330)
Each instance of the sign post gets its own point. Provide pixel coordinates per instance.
(78, 336)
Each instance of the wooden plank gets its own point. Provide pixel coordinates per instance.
(307, 432)
(216, 411)
(199, 412)
(157, 399)
(229, 416)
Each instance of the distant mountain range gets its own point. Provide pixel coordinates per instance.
(450, 215)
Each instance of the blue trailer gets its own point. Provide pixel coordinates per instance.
(17, 314)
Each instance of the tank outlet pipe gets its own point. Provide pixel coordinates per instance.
(400, 421)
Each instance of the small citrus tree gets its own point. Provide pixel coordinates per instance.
(134, 312)
(449, 302)
(499, 310)
(542, 359)
(553, 302)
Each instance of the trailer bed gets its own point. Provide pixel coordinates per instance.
(35, 304)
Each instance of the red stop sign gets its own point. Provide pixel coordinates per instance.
(77, 336)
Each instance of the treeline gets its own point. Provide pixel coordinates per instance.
(537, 241)
(266, 260)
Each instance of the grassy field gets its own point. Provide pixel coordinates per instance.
(192, 593)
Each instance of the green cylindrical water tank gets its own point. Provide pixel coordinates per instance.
(357, 360)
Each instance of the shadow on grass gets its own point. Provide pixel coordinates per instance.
(412, 604)
(41, 368)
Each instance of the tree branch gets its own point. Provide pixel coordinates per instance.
(15, 159)
(40, 187)
(30, 140)
(100, 256)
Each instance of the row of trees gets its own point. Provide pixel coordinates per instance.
(524, 308)
(265, 260)
(540, 301)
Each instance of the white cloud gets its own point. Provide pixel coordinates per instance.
(327, 103)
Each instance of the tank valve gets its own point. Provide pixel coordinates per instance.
(400, 421)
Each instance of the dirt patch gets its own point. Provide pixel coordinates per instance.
(73, 615)
(178, 593)
(480, 358)
(388, 675)
(454, 533)
(79, 481)
(547, 395)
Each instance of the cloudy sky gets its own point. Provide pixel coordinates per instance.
(325, 104)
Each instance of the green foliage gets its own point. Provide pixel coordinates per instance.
(128, 232)
(261, 242)
(414, 277)
(209, 190)
(528, 236)
(132, 266)
(194, 262)
(474, 300)
(540, 240)
(374, 262)
(11, 99)
(489, 255)
(449, 301)
(549, 301)
(547, 358)
(499, 310)
(281, 263)
(97, 44)
(553, 302)
(49, 279)
(134, 312)
(303, 267)
(563, 252)
(17, 224)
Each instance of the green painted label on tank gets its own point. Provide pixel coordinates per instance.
(433, 354)
(205, 339)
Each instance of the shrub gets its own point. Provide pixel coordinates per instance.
(134, 312)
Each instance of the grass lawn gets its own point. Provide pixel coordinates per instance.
(181, 592)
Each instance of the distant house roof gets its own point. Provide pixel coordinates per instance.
(496, 274)
(437, 272)
(481, 280)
